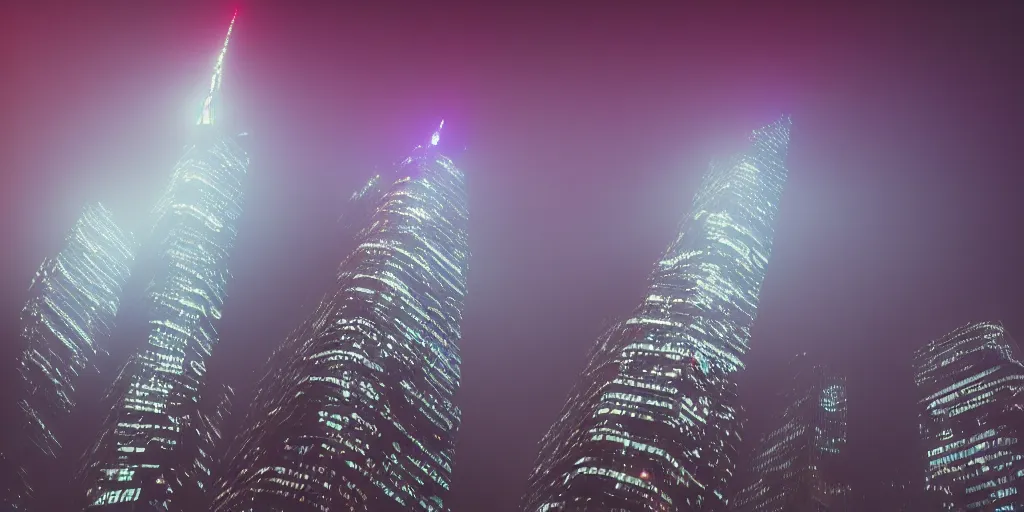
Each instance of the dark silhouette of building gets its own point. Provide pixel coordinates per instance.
(891, 496)
(800, 465)
(191, 477)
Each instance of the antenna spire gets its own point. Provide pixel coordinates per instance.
(218, 75)
(436, 137)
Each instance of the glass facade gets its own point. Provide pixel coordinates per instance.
(356, 409)
(70, 314)
(156, 400)
(652, 423)
(971, 415)
(800, 464)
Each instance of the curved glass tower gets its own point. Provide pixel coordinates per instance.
(68, 318)
(356, 411)
(155, 399)
(652, 422)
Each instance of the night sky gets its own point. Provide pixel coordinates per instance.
(583, 132)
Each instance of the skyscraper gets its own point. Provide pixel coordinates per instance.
(155, 399)
(72, 303)
(798, 466)
(356, 411)
(971, 414)
(201, 449)
(652, 422)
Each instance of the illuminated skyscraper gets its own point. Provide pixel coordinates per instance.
(798, 466)
(652, 422)
(971, 415)
(355, 411)
(156, 398)
(73, 301)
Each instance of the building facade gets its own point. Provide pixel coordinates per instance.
(65, 324)
(356, 409)
(156, 399)
(201, 450)
(800, 465)
(652, 423)
(971, 414)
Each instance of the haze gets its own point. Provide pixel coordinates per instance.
(585, 130)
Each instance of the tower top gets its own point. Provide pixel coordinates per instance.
(218, 75)
(436, 137)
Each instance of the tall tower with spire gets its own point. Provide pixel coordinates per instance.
(652, 423)
(356, 409)
(143, 455)
(206, 116)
